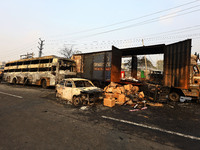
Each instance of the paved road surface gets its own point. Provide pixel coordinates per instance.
(31, 118)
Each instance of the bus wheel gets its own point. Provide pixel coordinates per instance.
(14, 81)
(44, 84)
(174, 96)
(77, 101)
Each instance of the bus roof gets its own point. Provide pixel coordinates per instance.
(38, 58)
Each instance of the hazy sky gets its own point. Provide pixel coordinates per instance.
(93, 25)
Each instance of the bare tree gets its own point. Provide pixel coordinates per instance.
(141, 63)
(68, 52)
(159, 64)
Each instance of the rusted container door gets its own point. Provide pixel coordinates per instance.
(108, 56)
(176, 64)
(98, 64)
(116, 64)
(88, 66)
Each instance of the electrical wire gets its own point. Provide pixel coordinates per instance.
(137, 24)
(130, 20)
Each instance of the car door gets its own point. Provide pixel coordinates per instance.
(67, 92)
(60, 88)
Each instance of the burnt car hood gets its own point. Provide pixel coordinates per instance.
(90, 90)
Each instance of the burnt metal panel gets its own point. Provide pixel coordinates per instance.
(144, 50)
(88, 66)
(134, 67)
(79, 60)
(108, 66)
(176, 64)
(116, 64)
(98, 64)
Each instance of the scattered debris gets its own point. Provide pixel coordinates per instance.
(84, 108)
(183, 99)
(123, 95)
(155, 104)
(143, 108)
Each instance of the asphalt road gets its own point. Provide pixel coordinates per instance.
(31, 118)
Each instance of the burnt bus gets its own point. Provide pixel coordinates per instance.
(44, 71)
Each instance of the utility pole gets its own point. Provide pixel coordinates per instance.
(40, 47)
(145, 61)
(26, 56)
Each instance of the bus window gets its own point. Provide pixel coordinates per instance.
(35, 62)
(44, 61)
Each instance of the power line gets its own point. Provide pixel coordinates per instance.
(125, 21)
(164, 17)
(176, 30)
(22, 47)
(138, 24)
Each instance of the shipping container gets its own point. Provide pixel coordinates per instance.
(179, 75)
(94, 66)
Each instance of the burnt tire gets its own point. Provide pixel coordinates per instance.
(14, 81)
(173, 96)
(77, 101)
(44, 84)
(57, 95)
(85, 102)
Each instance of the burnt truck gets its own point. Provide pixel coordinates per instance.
(181, 75)
(101, 68)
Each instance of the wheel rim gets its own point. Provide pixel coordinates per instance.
(44, 85)
(174, 96)
(77, 101)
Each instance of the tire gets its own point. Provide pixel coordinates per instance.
(14, 81)
(174, 96)
(44, 84)
(57, 94)
(85, 103)
(77, 101)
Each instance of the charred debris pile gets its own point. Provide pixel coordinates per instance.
(116, 94)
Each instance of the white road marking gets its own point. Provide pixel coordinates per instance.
(11, 95)
(153, 128)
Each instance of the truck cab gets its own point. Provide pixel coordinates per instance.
(195, 76)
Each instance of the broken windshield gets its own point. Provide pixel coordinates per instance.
(83, 84)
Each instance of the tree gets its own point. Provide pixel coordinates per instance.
(159, 64)
(141, 63)
(68, 52)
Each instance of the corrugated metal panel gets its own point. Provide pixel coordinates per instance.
(108, 65)
(88, 66)
(78, 59)
(176, 64)
(116, 64)
(134, 67)
(99, 63)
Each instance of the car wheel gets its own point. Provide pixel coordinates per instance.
(77, 101)
(85, 102)
(174, 96)
(57, 94)
(44, 84)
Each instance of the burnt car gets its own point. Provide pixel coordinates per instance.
(78, 91)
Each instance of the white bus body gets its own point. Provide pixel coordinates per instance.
(45, 71)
